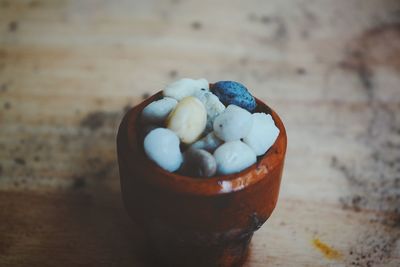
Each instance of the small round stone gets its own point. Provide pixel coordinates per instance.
(263, 133)
(233, 123)
(198, 163)
(233, 157)
(210, 142)
(188, 119)
(230, 92)
(212, 104)
(162, 146)
(185, 87)
(157, 111)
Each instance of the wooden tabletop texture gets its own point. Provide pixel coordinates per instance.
(70, 69)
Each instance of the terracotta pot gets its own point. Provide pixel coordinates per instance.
(191, 221)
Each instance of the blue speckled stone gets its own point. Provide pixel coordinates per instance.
(230, 92)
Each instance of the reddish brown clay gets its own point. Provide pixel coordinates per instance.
(191, 221)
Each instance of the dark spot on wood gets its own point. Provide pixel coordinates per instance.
(196, 25)
(301, 71)
(13, 26)
(365, 76)
(173, 73)
(305, 34)
(276, 24)
(281, 30)
(94, 120)
(5, 4)
(1, 169)
(310, 16)
(3, 87)
(79, 182)
(374, 47)
(20, 161)
(36, 158)
(34, 3)
(7, 105)
(265, 19)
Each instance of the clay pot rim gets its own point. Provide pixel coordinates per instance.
(220, 184)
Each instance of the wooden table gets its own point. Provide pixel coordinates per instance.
(69, 69)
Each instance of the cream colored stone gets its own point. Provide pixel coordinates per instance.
(188, 119)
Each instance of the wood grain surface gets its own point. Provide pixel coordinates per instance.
(69, 69)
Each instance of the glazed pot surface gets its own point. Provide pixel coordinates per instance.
(193, 221)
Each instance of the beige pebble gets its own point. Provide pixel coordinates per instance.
(188, 119)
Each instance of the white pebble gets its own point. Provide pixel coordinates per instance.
(185, 87)
(157, 111)
(233, 157)
(212, 104)
(162, 146)
(233, 123)
(263, 133)
(210, 142)
(188, 119)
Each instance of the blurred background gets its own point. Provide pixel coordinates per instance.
(70, 69)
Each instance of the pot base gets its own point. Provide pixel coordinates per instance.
(231, 253)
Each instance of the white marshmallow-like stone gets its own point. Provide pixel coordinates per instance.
(233, 157)
(188, 119)
(233, 123)
(157, 111)
(185, 87)
(210, 142)
(212, 104)
(262, 134)
(162, 146)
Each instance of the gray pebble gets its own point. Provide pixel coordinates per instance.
(233, 157)
(212, 104)
(198, 163)
(210, 142)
